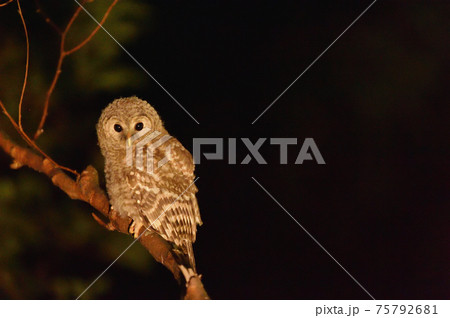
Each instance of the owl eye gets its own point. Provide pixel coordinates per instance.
(139, 126)
(118, 128)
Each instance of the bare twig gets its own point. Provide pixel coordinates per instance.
(89, 37)
(5, 3)
(18, 125)
(31, 143)
(27, 63)
(64, 53)
(46, 17)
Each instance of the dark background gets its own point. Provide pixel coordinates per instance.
(376, 105)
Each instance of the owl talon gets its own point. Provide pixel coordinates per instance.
(132, 229)
(135, 230)
(188, 273)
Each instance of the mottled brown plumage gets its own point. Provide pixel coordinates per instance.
(161, 198)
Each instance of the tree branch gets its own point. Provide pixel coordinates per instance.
(5, 3)
(87, 189)
(18, 125)
(63, 53)
(89, 37)
(27, 63)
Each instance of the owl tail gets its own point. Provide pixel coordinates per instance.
(185, 254)
(190, 253)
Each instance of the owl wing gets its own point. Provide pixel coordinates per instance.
(166, 199)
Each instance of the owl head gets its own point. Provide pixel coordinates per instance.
(122, 119)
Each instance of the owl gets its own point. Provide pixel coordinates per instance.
(149, 174)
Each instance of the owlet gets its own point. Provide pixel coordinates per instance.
(149, 174)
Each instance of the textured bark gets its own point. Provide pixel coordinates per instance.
(87, 189)
(195, 289)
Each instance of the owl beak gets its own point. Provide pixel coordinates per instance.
(129, 139)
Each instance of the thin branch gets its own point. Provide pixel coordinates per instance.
(8, 115)
(31, 143)
(18, 125)
(46, 17)
(62, 54)
(49, 93)
(4, 4)
(73, 18)
(102, 21)
(87, 189)
(50, 90)
(26, 64)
